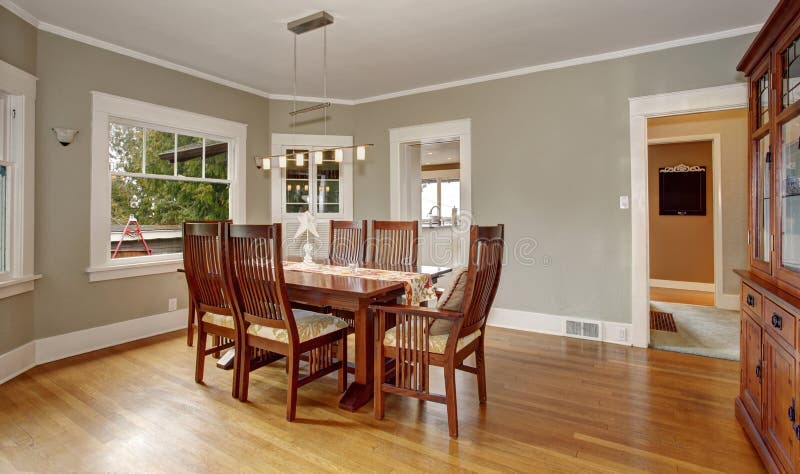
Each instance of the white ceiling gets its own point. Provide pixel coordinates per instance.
(439, 153)
(379, 47)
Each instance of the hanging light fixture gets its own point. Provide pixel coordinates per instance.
(298, 27)
(266, 163)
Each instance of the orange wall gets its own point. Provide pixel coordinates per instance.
(681, 247)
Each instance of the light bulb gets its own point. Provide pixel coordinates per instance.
(305, 188)
(297, 187)
(299, 159)
(327, 189)
(288, 187)
(318, 157)
(361, 153)
(338, 155)
(282, 161)
(266, 163)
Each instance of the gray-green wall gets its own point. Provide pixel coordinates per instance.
(68, 71)
(18, 48)
(17, 42)
(550, 158)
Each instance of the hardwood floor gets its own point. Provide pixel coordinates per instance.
(554, 404)
(671, 295)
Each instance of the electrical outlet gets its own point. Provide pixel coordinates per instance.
(624, 202)
(173, 304)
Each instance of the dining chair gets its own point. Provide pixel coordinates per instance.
(443, 336)
(191, 319)
(266, 321)
(202, 259)
(394, 243)
(348, 241)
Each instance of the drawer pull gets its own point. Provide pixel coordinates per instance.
(777, 321)
(751, 300)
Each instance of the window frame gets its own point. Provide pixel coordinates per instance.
(18, 128)
(444, 219)
(107, 108)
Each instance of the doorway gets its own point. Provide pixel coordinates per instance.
(430, 182)
(641, 110)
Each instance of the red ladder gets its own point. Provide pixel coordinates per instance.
(135, 233)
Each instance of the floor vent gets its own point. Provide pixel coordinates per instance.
(584, 329)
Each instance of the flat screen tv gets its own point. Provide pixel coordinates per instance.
(682, 191)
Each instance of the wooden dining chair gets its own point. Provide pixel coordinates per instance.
(394, 243)
(190, 323)
(266, 321)
(202, 260)
(348, 241)
(441, 337)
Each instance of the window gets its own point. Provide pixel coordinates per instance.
(312, 186)
(17, 128)
(153, 168)
(439, 197)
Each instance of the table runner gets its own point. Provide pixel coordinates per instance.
(418, 286)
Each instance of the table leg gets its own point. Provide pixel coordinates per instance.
(361, 390)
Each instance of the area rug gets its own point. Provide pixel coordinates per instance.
(662, 321)
(701, 330)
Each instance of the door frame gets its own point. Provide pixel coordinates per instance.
(460, 130)
(709, 99)
(716, 193)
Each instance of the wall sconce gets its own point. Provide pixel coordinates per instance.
(65, 136)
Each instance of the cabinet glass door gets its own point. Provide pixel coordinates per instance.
(762, 177)
(790, 195)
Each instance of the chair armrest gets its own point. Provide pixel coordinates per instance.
(435, 313)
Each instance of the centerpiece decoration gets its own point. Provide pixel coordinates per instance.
(308, 226)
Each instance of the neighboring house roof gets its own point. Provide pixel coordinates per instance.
(195, 150)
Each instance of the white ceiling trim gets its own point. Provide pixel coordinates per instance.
(571, 62)
(57, 30)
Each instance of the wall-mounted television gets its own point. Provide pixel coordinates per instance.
(682, 191)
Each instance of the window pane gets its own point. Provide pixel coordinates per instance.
(328, 198)
(761, 245)
(298, 196)
(125, 148)
(762, 116)
(3, 217)
(790, 177)
(160, 152)
(451, 197)
(190, 156)
(216, 159)
(429, 197)
(160, 206)
(791, 73)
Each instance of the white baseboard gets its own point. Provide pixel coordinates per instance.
(682, 285)
(62, 346)
(617, 333)
(17, 361)
(728, 301)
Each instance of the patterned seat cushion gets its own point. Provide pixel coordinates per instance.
(219, 320)
(437, 343)
(309, 326)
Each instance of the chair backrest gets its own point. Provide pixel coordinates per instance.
(394, 243)
(483, 278)
(254, 277)
(348, 241)
(202, 260)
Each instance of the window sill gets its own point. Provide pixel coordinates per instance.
(131, 270)
(17, 286)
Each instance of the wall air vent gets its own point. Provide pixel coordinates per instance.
(582, 329)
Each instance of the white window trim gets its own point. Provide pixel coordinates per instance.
(280, 141)
(20, 90)
(105, 108)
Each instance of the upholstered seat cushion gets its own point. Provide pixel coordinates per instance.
(438, 342)
(219, 320)
(309, 326)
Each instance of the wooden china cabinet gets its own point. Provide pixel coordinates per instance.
(767, 405)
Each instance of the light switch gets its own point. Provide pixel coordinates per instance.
(624, 203)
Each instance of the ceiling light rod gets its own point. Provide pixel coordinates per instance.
(311, 108)
(310, 23)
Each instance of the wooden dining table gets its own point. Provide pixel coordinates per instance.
(353, 294)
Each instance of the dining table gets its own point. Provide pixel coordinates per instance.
(353, 294)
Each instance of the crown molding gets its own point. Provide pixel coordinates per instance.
(57, 30)
(570, 62)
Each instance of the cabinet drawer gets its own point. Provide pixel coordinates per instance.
(751, 299)
(779, 321)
